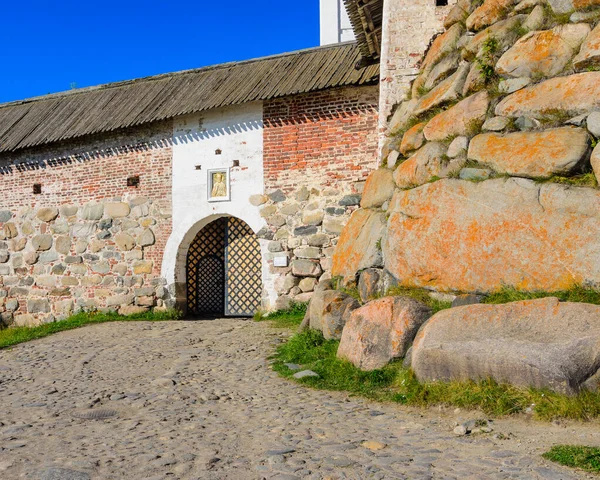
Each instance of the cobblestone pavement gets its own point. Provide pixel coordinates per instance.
(198, 400)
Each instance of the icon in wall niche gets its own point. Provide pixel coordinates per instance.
(218, 185)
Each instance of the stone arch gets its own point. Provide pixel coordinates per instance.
(241, 241)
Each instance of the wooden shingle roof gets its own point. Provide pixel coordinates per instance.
(366, 17)
(77, 113)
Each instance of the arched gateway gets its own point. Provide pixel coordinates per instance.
(224, 270)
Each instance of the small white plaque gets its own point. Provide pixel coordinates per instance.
(280, 261)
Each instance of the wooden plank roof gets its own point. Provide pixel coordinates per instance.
(105, 108)
(366, 17)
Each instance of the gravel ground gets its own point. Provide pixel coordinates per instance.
(197, 400)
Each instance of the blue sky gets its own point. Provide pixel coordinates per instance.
(48, 46)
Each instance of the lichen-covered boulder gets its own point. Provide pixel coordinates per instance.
(329, 310)
(488, 13)
(544, 53)
(466, 115)
(464, 236)
(539, 343)
(426, 163)
(413, 139)
(381, 331)
(359, 245)
(379, 188)
(589, 55)
(532, 154)
(566, 6)
(446, 91)
(573, 94)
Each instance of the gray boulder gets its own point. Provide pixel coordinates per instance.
(537, 343)
(329, 310)
(381, 331)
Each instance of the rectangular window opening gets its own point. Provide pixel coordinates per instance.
(133, 181)
(37, 188)
(441, 3)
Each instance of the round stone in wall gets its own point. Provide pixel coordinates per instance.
(47, 214)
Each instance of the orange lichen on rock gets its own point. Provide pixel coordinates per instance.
(532, 154)
(589, 55)
(490, 12)
(573, 94)
(413, 139)
(464, 236)
(544, 53)
(379, 188)
(381, 330)
(459, 119)
(358, 246)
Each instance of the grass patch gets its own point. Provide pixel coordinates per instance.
(586, 458)
(583, 180)
(487, 58)
(312, 351)
(397, 384)
(289, 318)
(15, 335)
(576, 294)
(419, 294)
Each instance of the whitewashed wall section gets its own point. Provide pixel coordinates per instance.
(215, 139)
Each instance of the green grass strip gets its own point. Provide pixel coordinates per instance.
(397, 384)
(586, 458)
(575, 294)
(290, 318)
(15, 335)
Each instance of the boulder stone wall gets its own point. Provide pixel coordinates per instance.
(98, 256)
(541, 343)
(303, 228)
(493, 156)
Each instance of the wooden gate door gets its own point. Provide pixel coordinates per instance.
(243, 270)
(224, 270)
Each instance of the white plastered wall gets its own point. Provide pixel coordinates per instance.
(237, 133)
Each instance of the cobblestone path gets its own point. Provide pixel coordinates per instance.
(198, 400)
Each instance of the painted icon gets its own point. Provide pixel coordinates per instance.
(218, 185)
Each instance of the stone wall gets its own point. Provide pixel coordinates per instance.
(303, 227)
(491, 162)
(323, 139)
(88, 241)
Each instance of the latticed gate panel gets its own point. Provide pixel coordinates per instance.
(206, 270)
(243, 284)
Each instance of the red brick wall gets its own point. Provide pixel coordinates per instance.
(96, 170)
(323, 139)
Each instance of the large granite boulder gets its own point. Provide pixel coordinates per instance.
(464, 236)
(328, 312)
(381, 331)
(427, 162)
(359, 245)
(539, 343)
(589, 55)
(573, 94)
(488, 13)
(532, 154)
(460, 119)
(379, 188)
(544, 53)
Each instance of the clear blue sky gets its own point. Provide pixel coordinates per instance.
(49, 45)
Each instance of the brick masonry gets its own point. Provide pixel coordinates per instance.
(82, 243)
(324, 139)
(85, 261)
